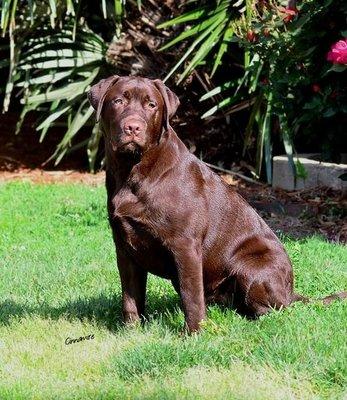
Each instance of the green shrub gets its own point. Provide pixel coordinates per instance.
(267, 62)
(281, 75)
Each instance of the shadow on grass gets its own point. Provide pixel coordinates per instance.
(102, 310)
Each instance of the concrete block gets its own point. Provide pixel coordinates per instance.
(318, 173)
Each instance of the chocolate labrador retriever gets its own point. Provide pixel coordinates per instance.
(172, 216)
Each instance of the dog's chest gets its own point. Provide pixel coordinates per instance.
(130, 216)
(135, 226)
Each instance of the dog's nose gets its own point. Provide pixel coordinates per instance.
(133, 127)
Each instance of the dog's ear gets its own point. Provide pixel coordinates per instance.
(97, 93)
(171, 101)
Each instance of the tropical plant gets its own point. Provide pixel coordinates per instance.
(55, 56)
(274, 55)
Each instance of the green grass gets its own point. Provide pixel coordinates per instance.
(58, 279)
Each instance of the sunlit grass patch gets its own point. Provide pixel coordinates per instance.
(58, 279)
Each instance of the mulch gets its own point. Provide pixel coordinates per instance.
(320, 211)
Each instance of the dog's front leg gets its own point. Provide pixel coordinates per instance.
(190, 279)
(133, 280)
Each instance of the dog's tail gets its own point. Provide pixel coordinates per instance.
(325, 300)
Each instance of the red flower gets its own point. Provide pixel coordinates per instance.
(338, 52)
(315, 88)
(288, 13)
(251, 36)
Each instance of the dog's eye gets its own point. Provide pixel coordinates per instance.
(117, 101)
(151, 104)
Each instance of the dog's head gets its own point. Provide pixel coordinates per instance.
(134, 111)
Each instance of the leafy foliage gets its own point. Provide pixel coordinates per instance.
(266, 61)
(54, 59)
(61, 70)
(274, 56)
(214, 28)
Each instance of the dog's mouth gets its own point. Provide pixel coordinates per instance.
(122, 144)
(130, 147)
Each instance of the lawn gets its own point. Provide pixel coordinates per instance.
(59, 279)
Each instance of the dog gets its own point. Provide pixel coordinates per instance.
(174, 217)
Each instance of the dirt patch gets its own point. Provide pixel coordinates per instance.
(25, 151)
(321, 211)
(40, 176)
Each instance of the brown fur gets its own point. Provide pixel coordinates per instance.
(172, 216)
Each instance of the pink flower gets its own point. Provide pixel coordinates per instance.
(338, 52)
